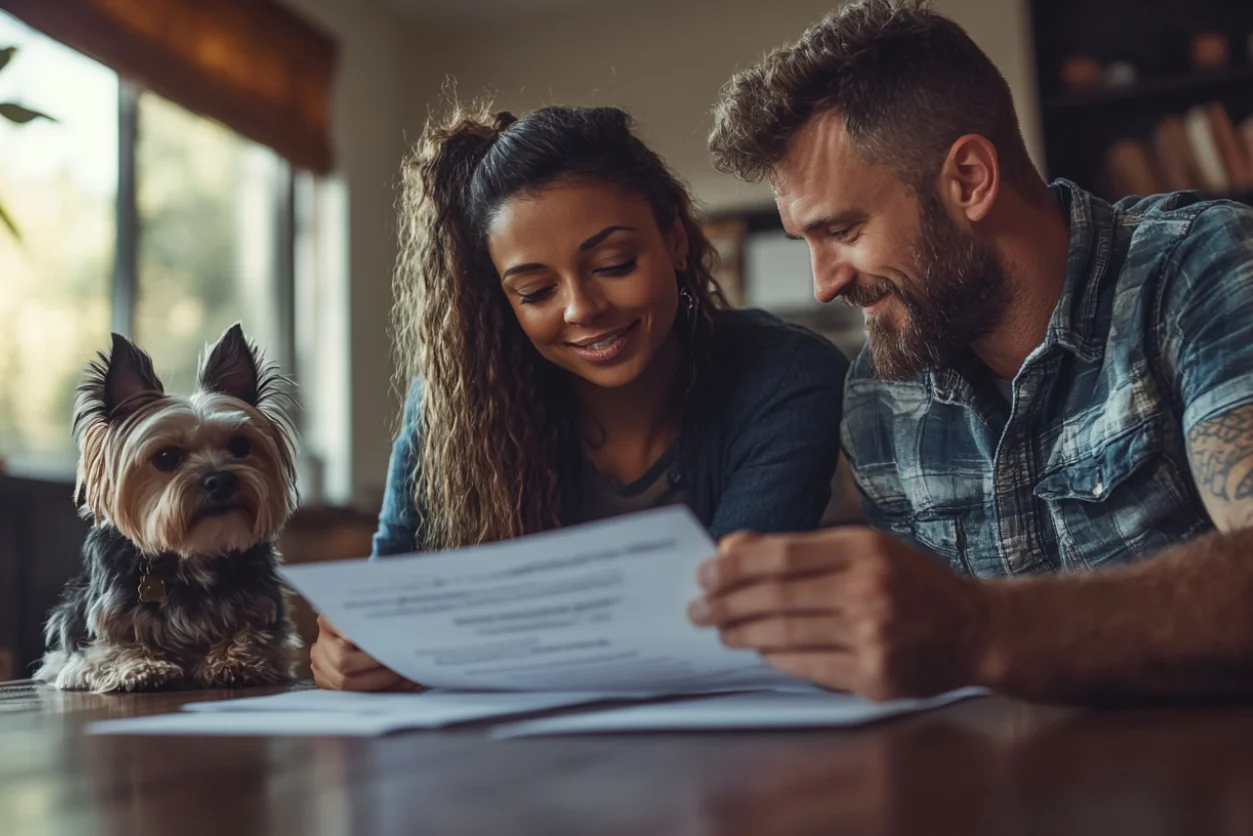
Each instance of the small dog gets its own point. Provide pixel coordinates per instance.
(179, 586)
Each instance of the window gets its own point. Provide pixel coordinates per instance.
(135, 215)
(209, 233)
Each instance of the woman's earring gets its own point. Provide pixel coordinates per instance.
(686, 297)
(689, 301)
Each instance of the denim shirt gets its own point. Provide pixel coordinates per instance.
(1087, 466)
(757, 449)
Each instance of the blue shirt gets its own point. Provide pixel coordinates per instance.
(1087, 465)
(757, 449)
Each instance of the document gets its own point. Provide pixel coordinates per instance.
(423, 710)
(592, 608)
(331, 713)
(793, 709)
(320, 723)
(319, 712)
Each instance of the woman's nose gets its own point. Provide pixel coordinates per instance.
(583, 304)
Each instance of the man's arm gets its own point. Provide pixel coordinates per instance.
(855, 609)
(1178, 625)
(1220, 451)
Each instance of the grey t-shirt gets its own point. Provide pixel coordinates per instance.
(606, 497)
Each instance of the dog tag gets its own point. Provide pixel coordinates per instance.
(151, 590)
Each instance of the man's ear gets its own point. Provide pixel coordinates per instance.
(970, 177)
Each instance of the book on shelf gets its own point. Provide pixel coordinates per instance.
(1201, 150)
(1246, 135)
(1235, 153)
(1131, 169)
(1214, 176)
(1173, 150)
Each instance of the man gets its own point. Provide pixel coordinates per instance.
(1052, 385)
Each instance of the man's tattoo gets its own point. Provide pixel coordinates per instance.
(1220, 446)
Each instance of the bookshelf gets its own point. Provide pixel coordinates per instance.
(1155, 37)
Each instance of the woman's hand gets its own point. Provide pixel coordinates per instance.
(339, 665)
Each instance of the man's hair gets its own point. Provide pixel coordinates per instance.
(908, 82)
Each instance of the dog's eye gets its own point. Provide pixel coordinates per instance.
(168, 459)
(240, 446)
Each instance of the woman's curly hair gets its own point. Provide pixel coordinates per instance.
(495, 417)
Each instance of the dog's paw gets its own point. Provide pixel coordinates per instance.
(136, 673)
(50, 666)
(216, 672)
(66, 671)
(256, 658)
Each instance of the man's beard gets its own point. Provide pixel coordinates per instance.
(959, 294)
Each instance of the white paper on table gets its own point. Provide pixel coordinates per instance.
(758, 710)
(596, 607)
(319, 723)
(424, 710)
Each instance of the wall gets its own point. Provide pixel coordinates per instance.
(666, 63)
(350, 408)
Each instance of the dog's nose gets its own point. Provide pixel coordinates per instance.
(219, 485)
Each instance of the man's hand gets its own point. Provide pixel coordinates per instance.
(851, 609)
(339, 665)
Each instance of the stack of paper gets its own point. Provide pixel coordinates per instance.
(341, 713)
(550, 621)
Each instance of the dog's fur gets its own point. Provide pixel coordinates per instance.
(225, 620)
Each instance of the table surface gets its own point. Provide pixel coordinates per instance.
(989, 765)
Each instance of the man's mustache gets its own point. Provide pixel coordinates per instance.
(859, 295)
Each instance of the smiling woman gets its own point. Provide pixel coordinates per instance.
(570, 357)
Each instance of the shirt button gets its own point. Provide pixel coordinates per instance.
(1098, 488)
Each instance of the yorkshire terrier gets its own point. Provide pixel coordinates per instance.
(179, 587)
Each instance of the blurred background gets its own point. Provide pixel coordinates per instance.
(222, 160)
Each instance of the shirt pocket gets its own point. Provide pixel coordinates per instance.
(944, 536)
(935, 528)
(1123, 499)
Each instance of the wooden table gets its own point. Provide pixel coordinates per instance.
(985, 766)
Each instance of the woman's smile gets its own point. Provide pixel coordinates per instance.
(606, 347)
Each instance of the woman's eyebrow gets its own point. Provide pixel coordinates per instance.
(602, 235)
(520, 268)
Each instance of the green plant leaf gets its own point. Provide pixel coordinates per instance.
(8, 222)
(6, 55)
(21, 115)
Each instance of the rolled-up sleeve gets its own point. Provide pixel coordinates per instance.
(1206, 314)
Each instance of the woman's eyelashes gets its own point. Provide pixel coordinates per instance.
(621, 268)
(536, 295)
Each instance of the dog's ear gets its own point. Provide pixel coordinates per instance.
(232, 367)
(128, 373)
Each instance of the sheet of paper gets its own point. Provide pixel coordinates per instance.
(426, 710)
(760, 710)
(319, 723)
(598, 607)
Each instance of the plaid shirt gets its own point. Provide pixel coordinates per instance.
(1088, 465)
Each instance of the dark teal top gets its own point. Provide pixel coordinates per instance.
(757, 449)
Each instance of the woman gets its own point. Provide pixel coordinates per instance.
(574, 356)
